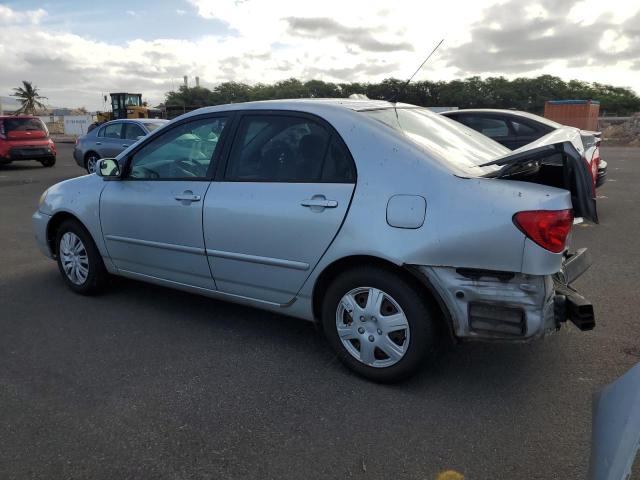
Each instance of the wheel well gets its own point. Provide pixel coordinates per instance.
(86, 156)
(409, 274)
(54, 224)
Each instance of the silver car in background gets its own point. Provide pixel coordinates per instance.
(387, 224)
(111, 138)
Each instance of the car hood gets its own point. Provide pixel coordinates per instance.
(560, 147)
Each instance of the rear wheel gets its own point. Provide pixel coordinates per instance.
(48, 162)
(79, 260)
(90, 161)
(379, 324)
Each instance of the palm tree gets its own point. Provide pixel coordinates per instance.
(29, 97)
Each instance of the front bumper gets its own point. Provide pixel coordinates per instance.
(509, 306)
(39, 222)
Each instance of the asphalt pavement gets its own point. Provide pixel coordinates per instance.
(147, 382)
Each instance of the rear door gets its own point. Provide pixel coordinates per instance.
(132, 133)
(110, 141)
(278, 204)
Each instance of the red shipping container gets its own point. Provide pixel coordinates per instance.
(582, 114)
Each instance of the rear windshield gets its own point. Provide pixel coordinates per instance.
(460, 148)
(152, 126)
(23, 125)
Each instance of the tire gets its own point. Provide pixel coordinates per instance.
(49, 162)
(414, 337)
(90, 160)
(86, 255)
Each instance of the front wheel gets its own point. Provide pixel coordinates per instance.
(379, 324)
(79, 260)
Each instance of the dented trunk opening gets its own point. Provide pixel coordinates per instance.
(557, 165)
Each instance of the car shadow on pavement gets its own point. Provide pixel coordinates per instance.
(190, 323)
(472, 365)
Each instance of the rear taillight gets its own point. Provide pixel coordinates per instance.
(548, 228)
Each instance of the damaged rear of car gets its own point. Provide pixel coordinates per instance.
(536, 191)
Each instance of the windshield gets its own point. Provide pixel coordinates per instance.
(153, 126)
(460, 148)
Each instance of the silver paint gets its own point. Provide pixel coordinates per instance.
(259, 244)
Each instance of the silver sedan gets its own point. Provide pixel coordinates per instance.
(386, 224)
(111, 138)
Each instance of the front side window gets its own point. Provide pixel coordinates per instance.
(184, 152)
(133, 131)
(278, 148)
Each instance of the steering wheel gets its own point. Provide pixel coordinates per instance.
(189, 167)
(149, 173)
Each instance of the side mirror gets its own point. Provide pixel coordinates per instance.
(108, 168)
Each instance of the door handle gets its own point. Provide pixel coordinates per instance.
(187, 197)
(98, 143)
(125, 145)
(319, 201)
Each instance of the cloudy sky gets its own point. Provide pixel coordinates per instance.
(76, 50)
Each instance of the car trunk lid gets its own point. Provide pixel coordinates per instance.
(558, 160)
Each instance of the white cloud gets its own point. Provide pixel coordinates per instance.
(10, 16)
(331, 40)
(179, 11)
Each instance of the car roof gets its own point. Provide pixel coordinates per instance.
(501, 111)
(310, 105)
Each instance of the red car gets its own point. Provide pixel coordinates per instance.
(25, 137)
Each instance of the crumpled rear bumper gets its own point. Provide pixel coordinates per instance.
(569, 304)
(509, 306)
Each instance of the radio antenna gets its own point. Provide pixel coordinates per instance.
(404, 86)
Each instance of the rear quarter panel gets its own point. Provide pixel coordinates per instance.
(468, 221)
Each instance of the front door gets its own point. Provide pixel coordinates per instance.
(284, 194)
(152, 219)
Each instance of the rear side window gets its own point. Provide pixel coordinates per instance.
(491, 127)
(23, 125)
(338, 166)
(278, 148)
(133, 131)
(152, 126)
(111, 131)
(522, 129)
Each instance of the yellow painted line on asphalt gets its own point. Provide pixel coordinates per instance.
(450, 475)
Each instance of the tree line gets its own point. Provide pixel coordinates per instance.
(527, 94)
